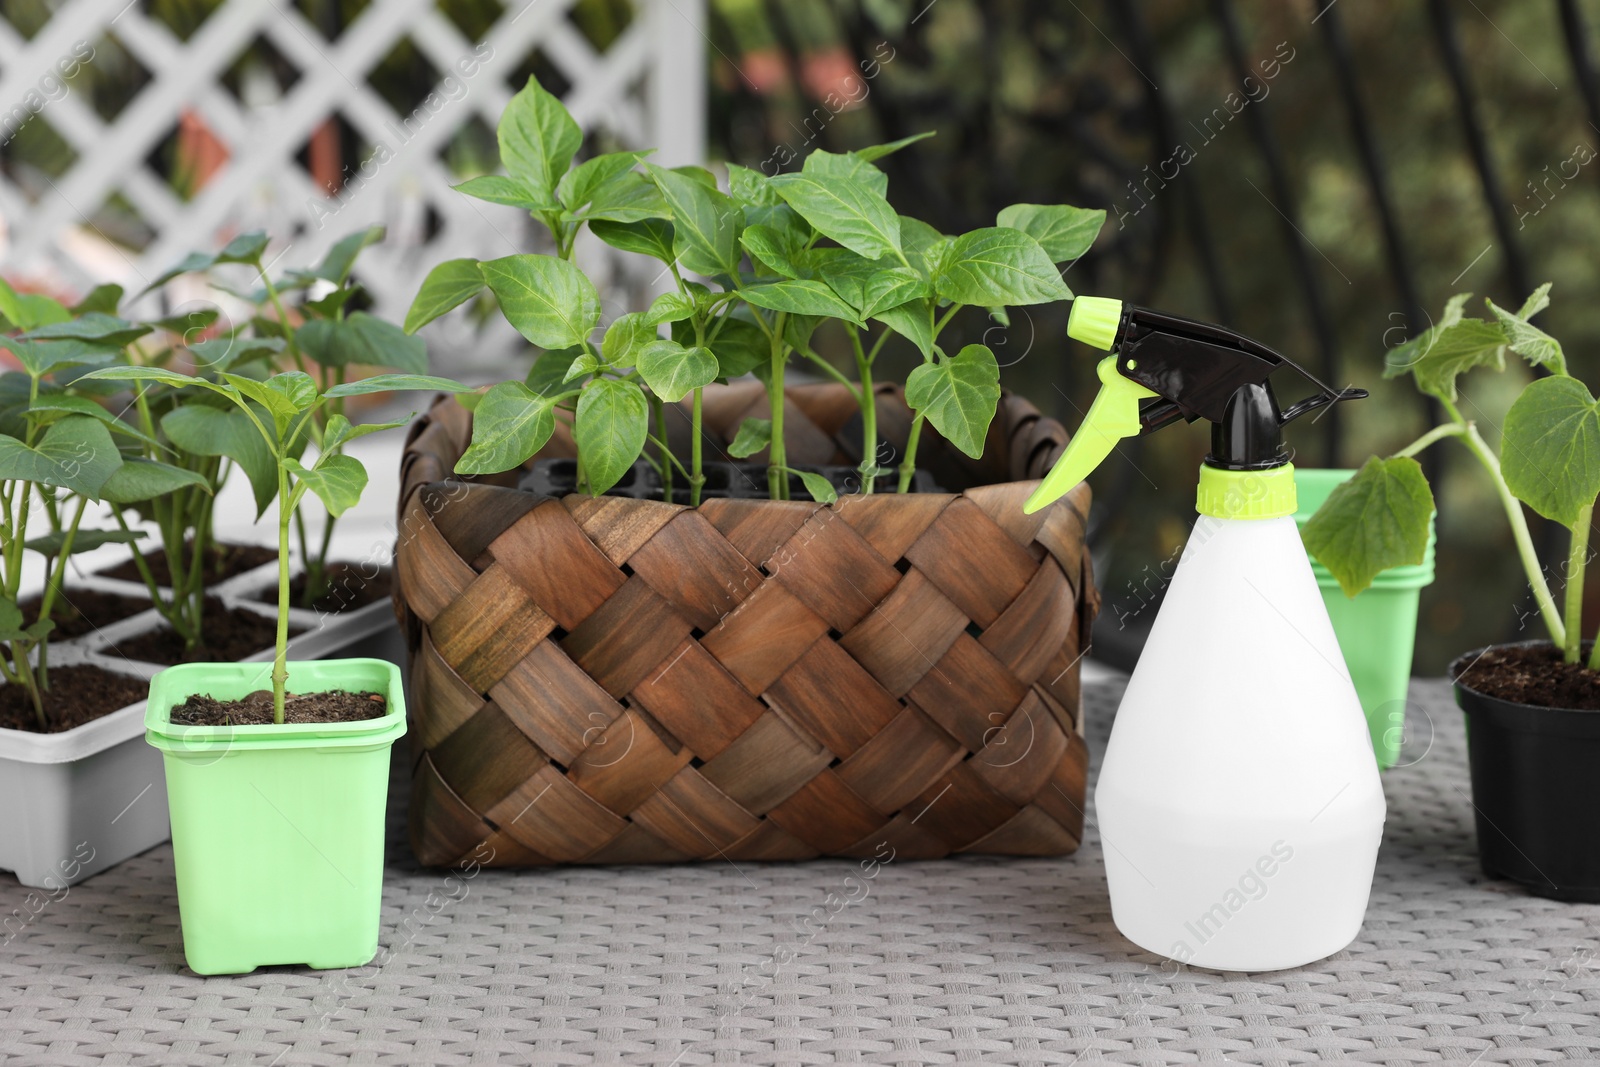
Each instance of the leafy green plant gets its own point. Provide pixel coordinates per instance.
(60, 451)
(1549, 460)
(289, 326)
(281, 409)
(776, 258)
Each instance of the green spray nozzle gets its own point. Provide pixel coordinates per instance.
(1113, 416)
(1191, 370)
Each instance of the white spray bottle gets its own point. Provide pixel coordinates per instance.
(1238, 803)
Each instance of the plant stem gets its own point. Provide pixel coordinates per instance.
(1577, 557)
(283, 318)
(280, 662)
(52, 587)
(908, 466)
(777, 456)
(1438, 433)
(1519, 531)
(698, 478)
(659, 408)
(869, 414)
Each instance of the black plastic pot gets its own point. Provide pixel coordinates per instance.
(1535, 790)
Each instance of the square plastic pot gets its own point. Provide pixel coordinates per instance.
(78, 801)
(1377, 628)
(277, 831)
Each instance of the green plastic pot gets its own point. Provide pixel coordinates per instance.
(277, 831)
(1377, 629)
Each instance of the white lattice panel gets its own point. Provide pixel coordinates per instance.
(645, 89)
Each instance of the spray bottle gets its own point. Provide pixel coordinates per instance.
(1239, 805)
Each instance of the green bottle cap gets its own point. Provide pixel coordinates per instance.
(1266, 494)
(1095, 320)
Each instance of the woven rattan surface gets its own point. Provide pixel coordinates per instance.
(966, 959)
(613, 680)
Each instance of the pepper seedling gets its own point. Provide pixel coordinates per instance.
(280, 409)
(779, 256)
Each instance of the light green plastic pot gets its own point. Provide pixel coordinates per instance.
(1377, 629)
(277, 831)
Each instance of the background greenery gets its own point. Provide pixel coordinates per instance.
(1043, 101)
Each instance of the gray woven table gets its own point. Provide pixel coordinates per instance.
(964, 960)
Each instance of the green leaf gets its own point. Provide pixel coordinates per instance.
(188, 323)
(1550, 448)
(447, 286)
(751, 187)
(246, 248)
(341, 258)
(498, 189)
(584, 364)
(579, 185)
(1402, 358)
(958, 395)
(341, 430)
(827, 166)
(841, 206)
(145, 479)
(821, 490)
(65, 403)
(868, 285)
(625, 336)
(672, 371)
(50, 544)
(336, 479)
(1064, 232)
(705, 222)
(27, 311)
(207, 431)
(925, 246)
(159, 375)
(669, 307)
(740, 347)
(549, 371)
(613, 418)
(1376, 520)
(510, 424)
(76, 453)
(878, 151)
(397, 383)
(103, 298)
(548, 300)
(800, 296)
(647, 237)
(753, 436)
(10, 620)
(1456, 349)
(773, 249)
(1526, 339)
(363, 339)
(103, 329)
(998, 265)
(630, 197)
(537, 140)
(282, 401)
(912, 321)
(1537, 301)
(41, 357)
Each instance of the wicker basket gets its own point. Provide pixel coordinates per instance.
(612, 680)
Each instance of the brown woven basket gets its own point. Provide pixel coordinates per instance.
(612, 680)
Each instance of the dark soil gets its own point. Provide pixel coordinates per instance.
(1533, 674)
(82, 611)
(230, 634)
(227, 561)
(256, 709)
(349, 588)
(77, 695)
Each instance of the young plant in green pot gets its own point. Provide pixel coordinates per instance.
(1532, 707)
(742, 628)
(277, 777)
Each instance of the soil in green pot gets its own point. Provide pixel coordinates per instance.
(76, 695)
(1533, 674)
(230, 634)
(333, 705)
